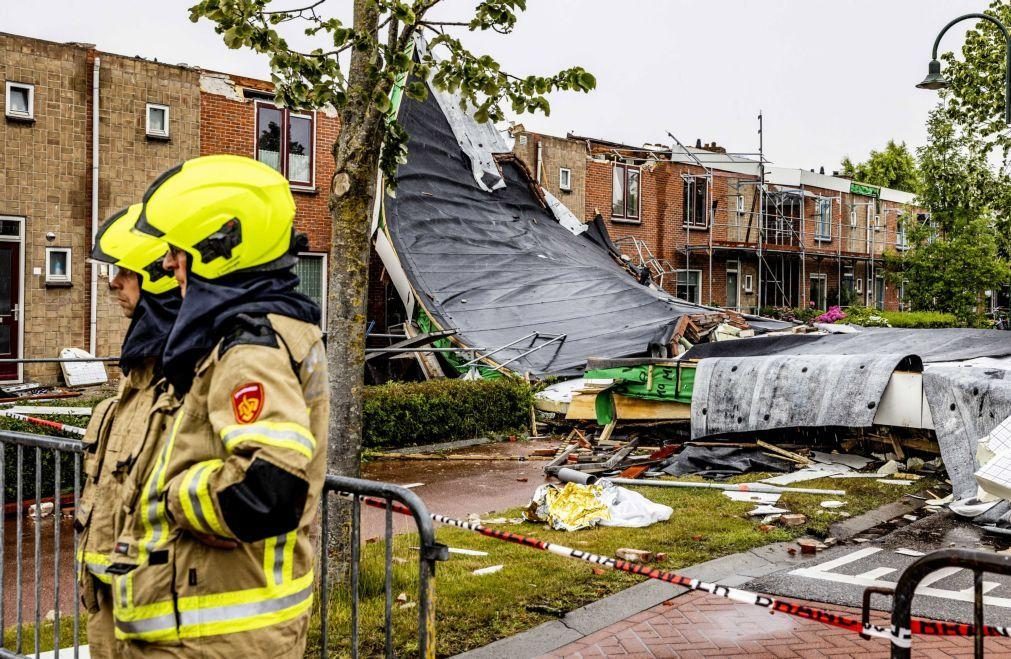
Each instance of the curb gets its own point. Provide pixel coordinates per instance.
(734, 570)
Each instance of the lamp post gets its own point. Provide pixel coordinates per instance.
(935, 80)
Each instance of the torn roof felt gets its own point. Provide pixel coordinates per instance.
(497, 266)
(930, 345)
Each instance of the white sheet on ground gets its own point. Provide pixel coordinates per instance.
(629, 508)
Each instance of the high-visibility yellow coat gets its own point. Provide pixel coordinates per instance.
(119, 429)
(243, 459)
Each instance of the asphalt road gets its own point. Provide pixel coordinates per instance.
(840, 574)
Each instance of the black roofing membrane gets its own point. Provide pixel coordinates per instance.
(497, 266)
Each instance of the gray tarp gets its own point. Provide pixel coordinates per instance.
(966, 404)
(497, 266)
(930, 345)
(741, 394)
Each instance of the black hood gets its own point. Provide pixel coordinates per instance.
(209, 310)
(149, 329)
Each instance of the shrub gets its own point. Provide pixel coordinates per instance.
(411, 413)
(832, 315)
(921, 319)
(866, 317)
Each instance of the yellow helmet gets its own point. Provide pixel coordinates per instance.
(228, 213)
(119, 244)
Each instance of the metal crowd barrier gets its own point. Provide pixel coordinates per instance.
(358, 491)
(977, 561)
(48, 469)
(57, 454)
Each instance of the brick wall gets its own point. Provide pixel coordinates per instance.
(129, 160)
(556, 153)
(44, 179)
(228, 125)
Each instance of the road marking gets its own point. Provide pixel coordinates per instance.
(872, 578)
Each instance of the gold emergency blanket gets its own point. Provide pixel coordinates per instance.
(568, 508)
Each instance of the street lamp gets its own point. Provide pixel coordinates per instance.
(935, 80)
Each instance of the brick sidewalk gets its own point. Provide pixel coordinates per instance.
(700, 625)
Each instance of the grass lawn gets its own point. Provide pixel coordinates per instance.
(535, 586)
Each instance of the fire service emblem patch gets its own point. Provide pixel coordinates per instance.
(247, 402)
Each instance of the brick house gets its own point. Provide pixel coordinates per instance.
(700, 218)
(62, 174)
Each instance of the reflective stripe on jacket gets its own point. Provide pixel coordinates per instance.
(244, 460)
(117, 432)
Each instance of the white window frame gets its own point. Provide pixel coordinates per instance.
(853, 217)
(749, 284)
(824, 279)
(287, 114)
(740, 204)
(901, 239)
(858, 285)
(150, 132)
(565, 179)
(9, 112)
(65, 278)
(821, 223)
(325, 279)
(698, 286)
(625, 218)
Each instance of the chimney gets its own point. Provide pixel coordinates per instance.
(698, 142)
(821, 170)
(713, 147)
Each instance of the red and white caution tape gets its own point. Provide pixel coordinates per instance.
(44, 422)
(898, 637)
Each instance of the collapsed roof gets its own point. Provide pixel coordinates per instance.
(493, 262)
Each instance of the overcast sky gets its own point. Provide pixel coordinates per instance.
(832, 77)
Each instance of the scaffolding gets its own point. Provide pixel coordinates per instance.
(773, 222)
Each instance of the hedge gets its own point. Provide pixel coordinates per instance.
(411, 413)
(921, 319)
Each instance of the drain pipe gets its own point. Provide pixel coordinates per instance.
(93, 267)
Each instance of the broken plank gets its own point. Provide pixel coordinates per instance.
(583, 408)
(790, 455)
(634, 471)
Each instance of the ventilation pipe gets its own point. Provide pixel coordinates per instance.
(93, 319)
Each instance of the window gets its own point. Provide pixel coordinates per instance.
(819, 291)
(689, 285)
(625, 192)
(565, 179)
(877, 223)
(20, 103)
(157, 125)
(903, 306)
(733, 285)
(694, 199)
(879, 291)
(293, 155)
(749, 284)
(848, 296)
(853, 218)
(900, 234)
(823, 220)
(740, 204)
(58, 266)
(860, 285)
(311, 271)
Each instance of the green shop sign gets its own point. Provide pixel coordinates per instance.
(865, 190)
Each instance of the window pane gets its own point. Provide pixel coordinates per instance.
(310, 277)
(632, 198)
(268, 141)
(10, 228)
(299, 149)
(156, 120)
(18, 102)
(58, 263)
(618, 191)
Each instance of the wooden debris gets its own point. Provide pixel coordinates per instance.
(782, 452)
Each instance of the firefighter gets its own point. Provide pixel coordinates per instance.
(218, 560)
(149, 297)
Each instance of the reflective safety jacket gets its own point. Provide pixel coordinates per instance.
(114, 439)
(243, 459)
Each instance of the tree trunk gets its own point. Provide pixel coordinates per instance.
(347, 292)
